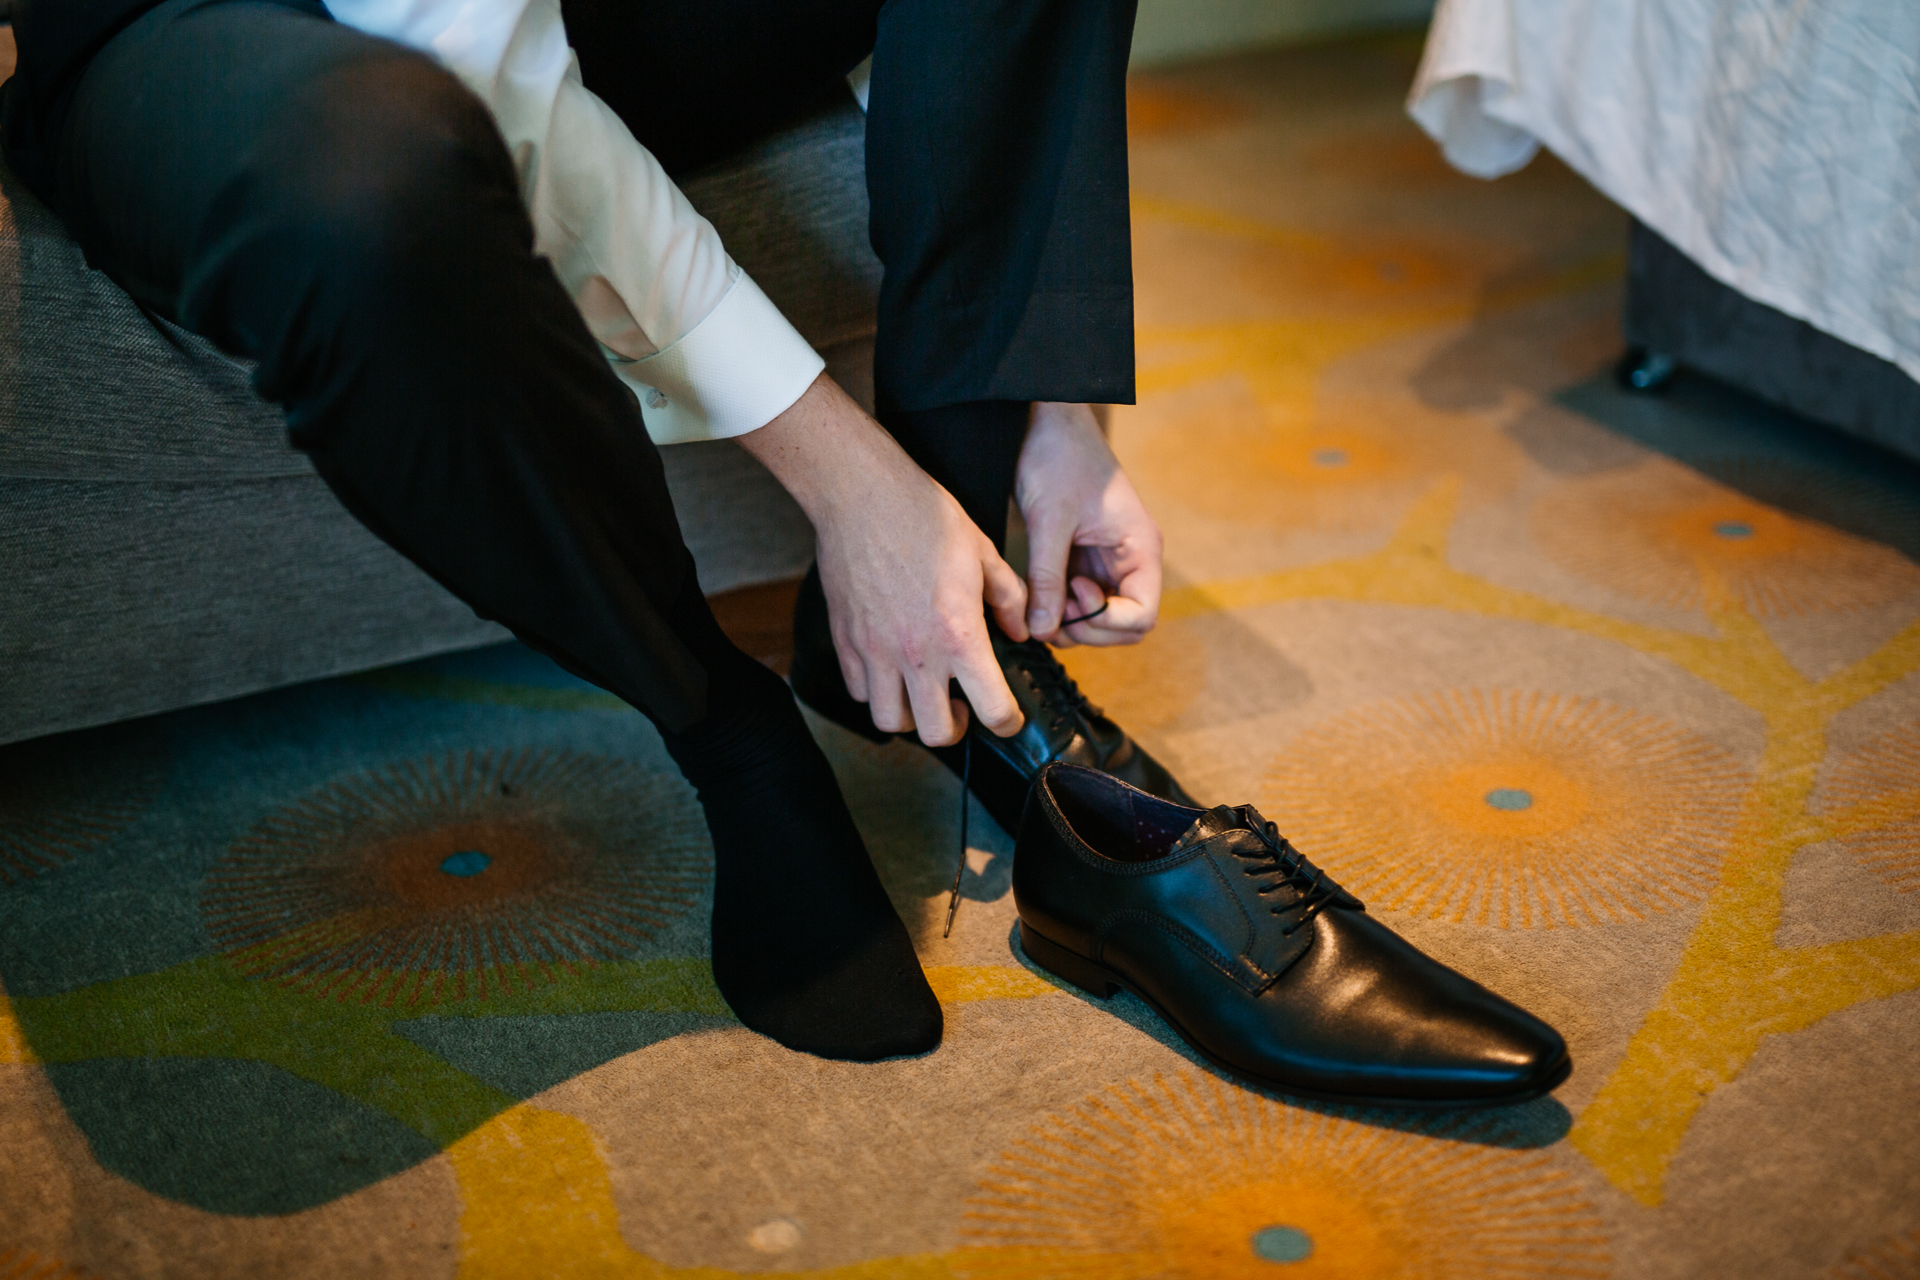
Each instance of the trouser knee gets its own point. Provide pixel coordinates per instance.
(372, 223)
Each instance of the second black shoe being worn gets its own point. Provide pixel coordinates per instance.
(1061, 724)
(1265, 966)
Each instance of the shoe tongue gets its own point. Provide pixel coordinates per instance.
(1215, 821)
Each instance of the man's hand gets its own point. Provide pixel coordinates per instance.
(1091, 546)
(904, 570)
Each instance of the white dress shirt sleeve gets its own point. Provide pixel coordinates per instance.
(705, 350)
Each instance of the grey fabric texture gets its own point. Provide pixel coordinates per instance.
(90, 388)
(127, 597)
(1677, 309)
(164, 546)
(793, 211)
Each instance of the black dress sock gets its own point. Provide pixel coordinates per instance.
(807, 948)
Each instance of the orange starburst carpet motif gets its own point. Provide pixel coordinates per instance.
(455, 876)
(1357, 461)
(1659, 532)
(1186, 1178)
(1505, 808)
(1895, 1258)
(18, 1264)
(59, 799)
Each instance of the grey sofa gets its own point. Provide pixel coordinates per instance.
(162, 546)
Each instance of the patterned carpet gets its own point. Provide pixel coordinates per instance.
(1609, 701)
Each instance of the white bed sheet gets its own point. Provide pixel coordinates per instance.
(1775, 142)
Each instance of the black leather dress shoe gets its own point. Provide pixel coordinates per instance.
(1266, 967)
(1061, 723)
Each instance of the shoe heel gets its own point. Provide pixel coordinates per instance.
(1064, 964)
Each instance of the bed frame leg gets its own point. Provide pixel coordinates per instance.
(1644, 371)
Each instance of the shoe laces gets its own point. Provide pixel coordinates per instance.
(960, 865)
(1058, 691)
(1290, 870)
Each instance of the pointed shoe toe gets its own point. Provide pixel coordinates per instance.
(1365, 1015)
(1261, 962)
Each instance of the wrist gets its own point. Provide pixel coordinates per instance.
(826, 451)
(1064, 459)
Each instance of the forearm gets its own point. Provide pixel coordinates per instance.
(827, 452)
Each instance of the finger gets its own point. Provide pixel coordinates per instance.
(1129, 625)
(1049, 544)
(1088, 600)
(1139, 588)
(985, 685)
(958, 706)
(853, 668)
(1095, 562)
(1125, 622)
(888, 704)
(1142, 585)
(932, 709)
(1006, 595)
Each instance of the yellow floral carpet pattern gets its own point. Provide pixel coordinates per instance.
(1608, 701)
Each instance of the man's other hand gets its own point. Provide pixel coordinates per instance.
(1091, 546)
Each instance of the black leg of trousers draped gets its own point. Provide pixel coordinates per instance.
(344, 213)
(997, 167)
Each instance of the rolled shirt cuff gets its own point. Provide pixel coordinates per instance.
(734, 372)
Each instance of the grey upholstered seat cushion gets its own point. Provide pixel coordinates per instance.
(162, 545)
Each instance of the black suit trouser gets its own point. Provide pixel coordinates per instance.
(343, 212)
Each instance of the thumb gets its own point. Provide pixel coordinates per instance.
(1005, 594)
(1049, 543)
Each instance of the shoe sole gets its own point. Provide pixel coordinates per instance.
(1098, 981)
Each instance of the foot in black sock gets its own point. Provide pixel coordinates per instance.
(807, 948)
